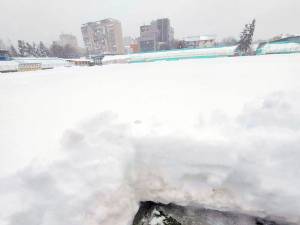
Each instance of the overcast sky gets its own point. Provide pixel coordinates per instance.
(35, 20)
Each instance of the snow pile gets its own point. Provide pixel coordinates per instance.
(6, 66)
(86, 145)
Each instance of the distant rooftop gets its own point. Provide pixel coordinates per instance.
(107, 20)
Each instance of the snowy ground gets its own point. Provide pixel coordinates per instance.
(85, 145)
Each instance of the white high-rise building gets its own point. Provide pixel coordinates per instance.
(103, 37)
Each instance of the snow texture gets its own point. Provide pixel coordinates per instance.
(8, 66)
(86, 145)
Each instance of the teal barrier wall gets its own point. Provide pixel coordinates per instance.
(197, 55)
(178, 58)
(259, 51)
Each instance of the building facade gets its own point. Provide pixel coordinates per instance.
(159, 35)
(103, 37)
(131, 45)
(165, 34)
(148, 38)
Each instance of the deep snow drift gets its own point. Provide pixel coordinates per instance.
(85, 145)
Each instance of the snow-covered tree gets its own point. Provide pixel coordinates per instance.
(22, 48)
(43, 50)
(35, 51)
(32, 50)
(29, 50)
(246, 38)
(38, 51)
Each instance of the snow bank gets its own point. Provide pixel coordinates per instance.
(170, 55)
(6, 66)
(89, 143)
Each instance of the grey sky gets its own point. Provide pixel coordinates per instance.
(46, 19)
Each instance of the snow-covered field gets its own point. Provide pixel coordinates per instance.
(85, 145)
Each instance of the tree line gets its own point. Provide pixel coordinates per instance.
(26, 49)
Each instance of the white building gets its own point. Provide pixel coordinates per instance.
(103, 37)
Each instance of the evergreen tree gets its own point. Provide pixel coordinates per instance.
(246, 38)
(38, 51)
(34, 52)
(43, 50)
(29, 51)
(22, 48)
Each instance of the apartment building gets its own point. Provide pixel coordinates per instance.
(103, 37)
(159, 35)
